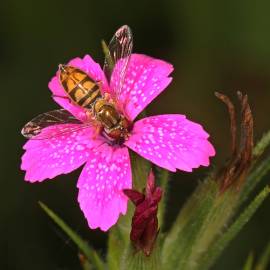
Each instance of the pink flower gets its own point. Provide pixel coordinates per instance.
(169, 141)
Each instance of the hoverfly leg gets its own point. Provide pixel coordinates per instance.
(90, 115)
(107, 97)
(98, 130)
(99, 83)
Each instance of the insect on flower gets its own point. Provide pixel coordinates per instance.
(96, 126)
(85, 92)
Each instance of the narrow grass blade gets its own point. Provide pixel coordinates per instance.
(88, 251)
(249, 262)
(260, 147)
(84, 262)
(255, 177)
(264, 260)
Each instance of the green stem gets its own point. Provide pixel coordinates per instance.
(136, 260)
(119, 234)
(162, 179)
(215, 250)
(179, 242)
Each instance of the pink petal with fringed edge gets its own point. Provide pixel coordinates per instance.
(172, 142)
(146, 78)
(93, 69)
(58, 155)
(100, 185)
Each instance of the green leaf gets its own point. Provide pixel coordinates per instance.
(249, 262)
(107, 55)
(220, 244)
(254, 178)
(261, 145)
(82, 245)
(264, 260)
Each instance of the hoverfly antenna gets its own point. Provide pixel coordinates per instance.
(62, 67)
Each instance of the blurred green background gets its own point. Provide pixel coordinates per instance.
(213, 45)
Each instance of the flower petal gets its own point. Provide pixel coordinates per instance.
(172, 142)
(93, 69)
(101, 182)
(57, 155)
(146, 78)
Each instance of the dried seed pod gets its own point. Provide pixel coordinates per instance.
(234, 173)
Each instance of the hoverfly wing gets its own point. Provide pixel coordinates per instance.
(33, 129)
(118, 55)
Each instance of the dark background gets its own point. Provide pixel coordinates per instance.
(213, 45)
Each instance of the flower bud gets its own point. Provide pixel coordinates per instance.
(144, 222)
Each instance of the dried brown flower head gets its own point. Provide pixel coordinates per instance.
(235, 172)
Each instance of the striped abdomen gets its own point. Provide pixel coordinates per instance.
(81, 89)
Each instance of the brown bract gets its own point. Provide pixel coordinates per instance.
(144, 222)
(235, 171)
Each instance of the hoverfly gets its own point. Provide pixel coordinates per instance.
(86, 93)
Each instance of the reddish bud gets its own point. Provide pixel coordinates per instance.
(144, 222)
